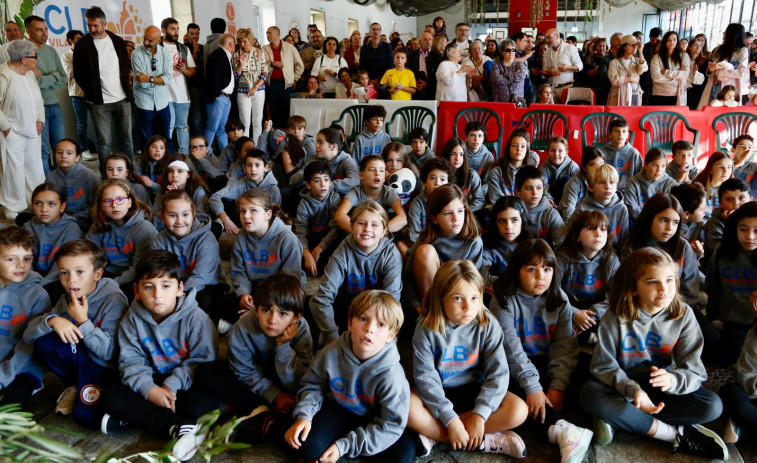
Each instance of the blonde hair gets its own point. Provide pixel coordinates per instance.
(604, 172)
(246, 34)
(387, 308)
(445, 280)
(375, 208)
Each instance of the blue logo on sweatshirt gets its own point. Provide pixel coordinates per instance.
(634, 346)
(454, 359)
(259, 261)
(581, 284)
(741, 279)
(533, 331)
(350, 396)
(165, 354)
(357, 283)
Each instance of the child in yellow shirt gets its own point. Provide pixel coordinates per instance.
(401, 81)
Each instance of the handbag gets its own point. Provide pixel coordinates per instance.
(519, 101)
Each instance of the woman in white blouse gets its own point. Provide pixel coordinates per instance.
(729, 65)
(451, 83)
(624, 72)
(327, 67)
(670, 70)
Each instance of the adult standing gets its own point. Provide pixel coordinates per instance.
(670, 69)
(310, 54)
(219, 86)
(508, 75)
(327, 67)
(595, 69)
(352, 54)
(561, 60)
(251, 73)
(624, 72)
(285, 68)
(183, 68)
(298, 42)
(376, 55)
(101, 68)
(196, 83)
(424, 64)
(729, 65)
(481, 65)
(462, 32)
(523, 53)
(217, 29)
(698, 69)
(152, 66)
(648, 51)
(12, 32)
(22, 116)
(451, 82)
(537, 73)
(77, 95)
(50, 76)
(615, 44)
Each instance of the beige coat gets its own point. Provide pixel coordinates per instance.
(6, 96)
(617, 72)
(733, 77)
(293, 66)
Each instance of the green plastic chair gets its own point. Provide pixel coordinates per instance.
(412, 118)
(543, 122)
(735, 124)
(482, 115)
(355, 114)
(600, 124)
(661, 130)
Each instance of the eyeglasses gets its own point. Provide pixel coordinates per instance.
(119, 201)
(508, 50)
(31, 57)
(154, 63)
(196, 147)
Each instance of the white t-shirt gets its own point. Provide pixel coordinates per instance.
(464, 47)
(110, 71)
(177, 89)
(25, 105)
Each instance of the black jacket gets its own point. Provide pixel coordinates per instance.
(433, 60)
(217, 74)
(87, 67)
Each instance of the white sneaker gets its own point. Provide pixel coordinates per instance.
(87, 156)
(188, 441)
(66, 401)
(573, 441)
(506, 443)
(426, 444)
(224, 327)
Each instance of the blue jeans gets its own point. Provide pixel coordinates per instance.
(218, 113)
(103, 116)
(197, 113)
(155, 122)
(52, 132)
(179, 115)
(80, 111)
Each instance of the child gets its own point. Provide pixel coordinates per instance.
(287, 150)
(354, 400)
(257, 177)
(265, 245)
(187, 235)
(650, 180)
(546, 222)
(150, 165)
(372, 139)
(242, 146)
(344, 171)
(693, 201)
(400, 81)
(419, 149)
(647, 369)
(234, 130)
(544, 94)
(540, 345)
(743, 166)
(726, 97)
(575, 189)
(477, 154)
(513, 225)
(739, 398)
(460, 370)
(208, 166)
(683, 168)
(732, 193)
(558, 168)
(118, 165)
(79, 183)
(77, 338)
(502, 177)
(731, 281)
(434, 173)
(719, 168)
(372, 188)
(122, 229)
(162, 339)
(314, 223)
(620, 154)
(22, 299)
(604, 197)
(463, 176)
(395, 159)
(52, 228)
(364, 79)
(180, 174)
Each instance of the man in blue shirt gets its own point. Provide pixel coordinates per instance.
(153, 72)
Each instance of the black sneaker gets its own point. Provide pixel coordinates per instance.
(698, 440)
(252, 428)
(109, 424)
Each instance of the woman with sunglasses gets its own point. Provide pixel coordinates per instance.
(507, 76)
(624, 72)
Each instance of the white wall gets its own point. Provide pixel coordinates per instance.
(452, 15)
(626, 19)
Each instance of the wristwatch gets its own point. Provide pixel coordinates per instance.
(152, 80)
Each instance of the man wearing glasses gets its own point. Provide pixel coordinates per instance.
(561, 60)
(153, 73)
(462, 32)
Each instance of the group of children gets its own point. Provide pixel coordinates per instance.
(613, 254)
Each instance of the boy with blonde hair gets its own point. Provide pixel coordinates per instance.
(604, 197)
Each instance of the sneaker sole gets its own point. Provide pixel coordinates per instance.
(603, 433)
(710, 433)
(579, 451)
(104, 423)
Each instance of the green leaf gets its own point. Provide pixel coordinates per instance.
(53, 445)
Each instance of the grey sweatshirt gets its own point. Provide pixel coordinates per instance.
(233, 190)
(693, 231)
(639, 189)
(674, 171)
(80, 185)
(728, 284)
(199, 199)
(266, 368)
(746, 171)
(375, 387)
(351, 271)
(574, 191)
(367, 144)
(675, 345)
(227, 157)
(49, 239)
(481, 162)
(210, 165)
(547, 224)
(236, 171)
(344, 173)
(616, 212)
(745, 366)
(626, 160)
(420, 160)
(475, 192)
(125, 244)
(495, 260)
(531, 330)
(585, 282)
(20, 302)
(140, 192)
(463, 354)
(386, 199)
(255, 259)
(416, 216)
(171, 348)
(107, 304)
(198, 252)
(556, 177)
(153, 173)
(314, 218)
(713, 232)
(503, 183)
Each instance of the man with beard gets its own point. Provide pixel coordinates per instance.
(152, 66)
(178, 93)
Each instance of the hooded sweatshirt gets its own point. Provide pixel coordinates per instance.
(461, 355)
(674, 171)
(745, 367)
(626, 160)
(367, 144)
(374, 387)
(234, 190)
(745, 171)
(531, 330)
(20, 303)
(345, 173)
(255, 259)
(386, 199)
(585, 282)
(316, 218)
(640, 188)
(80, 185)
(171, 348)
(266, 368)
(481, 162)
(728, 284)
(474, 193)
(713, 232)
(236, 171)
(198, 252)
(49, 239)
(416, 216)
(556, 177)
(123, 245)
(199, 199)
(546, 223)
(503, 183)
(616, 212)
(351, 271)
(673, 345)
(153, 173)
(140, 192)
(210, 165)
(420, 160)
(574, 191)
(107, 304)
(495, 260)
(227, 157)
